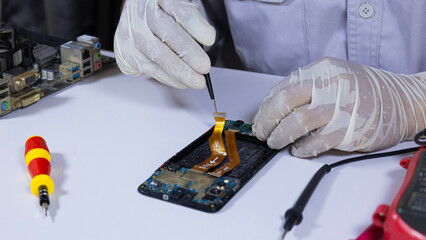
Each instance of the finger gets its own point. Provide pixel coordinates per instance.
(132, 62)
(137, 64)
(187, 15)
(278, 105)
(171, 33)
(123, 64)
(317, 142)
(159, 52)
(121, 55)
(301, 121)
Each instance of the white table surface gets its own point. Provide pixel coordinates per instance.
(107, 134)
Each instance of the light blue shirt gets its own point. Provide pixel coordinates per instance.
(278, 36)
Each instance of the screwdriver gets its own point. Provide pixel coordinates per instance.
(210, 86)
(37, 158)
(210, 89)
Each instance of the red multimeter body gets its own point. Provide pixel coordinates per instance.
(406, 217)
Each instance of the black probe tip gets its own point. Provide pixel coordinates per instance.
(292, 217)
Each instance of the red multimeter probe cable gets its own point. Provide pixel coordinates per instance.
(406, 217)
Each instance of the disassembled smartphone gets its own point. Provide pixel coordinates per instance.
(177, 182)
(34, 65)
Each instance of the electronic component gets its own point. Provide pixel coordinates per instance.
(202, 190)
(69, 71)
(294, 216)
(79, 53)
(218, 152)
(233, 156)
(4, 97)
(10, 53)
(405, 218)
(19, 78)
(37, 158)
(51, 74)
(32, 65)
(96, 49)
(26, 97)
(43, 53)
(7, 39)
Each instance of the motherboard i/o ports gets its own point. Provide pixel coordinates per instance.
(4, 97)
(31, 67)
(26, 98)
(19, 78)
(4, 106)
(87, 72)
(69, 71)
(96, 47)
(97, 55)
(86, 54)
(98, 65)
(86, 64)
(79, 53)
(3, 86)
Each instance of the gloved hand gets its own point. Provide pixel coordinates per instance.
(334, 104)
(161, 38)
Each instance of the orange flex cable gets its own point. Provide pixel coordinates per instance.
(218, 152)
(233, 156)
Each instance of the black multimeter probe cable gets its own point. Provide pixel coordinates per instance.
(293, 216)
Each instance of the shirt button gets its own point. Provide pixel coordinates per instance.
(365, 10)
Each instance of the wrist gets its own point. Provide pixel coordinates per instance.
(414, 103)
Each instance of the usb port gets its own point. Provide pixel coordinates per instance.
(76, 76)
(75, 68)
(87, 64)
(3, 86)
(87, 72)
(4, 95)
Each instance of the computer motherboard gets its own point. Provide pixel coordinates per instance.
(34, 65)
(175, 182)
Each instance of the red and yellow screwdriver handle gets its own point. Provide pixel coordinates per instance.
(37, 158)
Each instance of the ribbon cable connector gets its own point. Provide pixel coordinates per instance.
(217, 148)
(233, 156)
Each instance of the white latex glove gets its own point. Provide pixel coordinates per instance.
(161, 38)
(343, 106)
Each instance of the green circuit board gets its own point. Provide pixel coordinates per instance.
(175, 182)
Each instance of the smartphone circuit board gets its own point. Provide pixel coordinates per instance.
(33, 65)
(175, 182)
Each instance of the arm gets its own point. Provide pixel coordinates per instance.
(342, 105)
